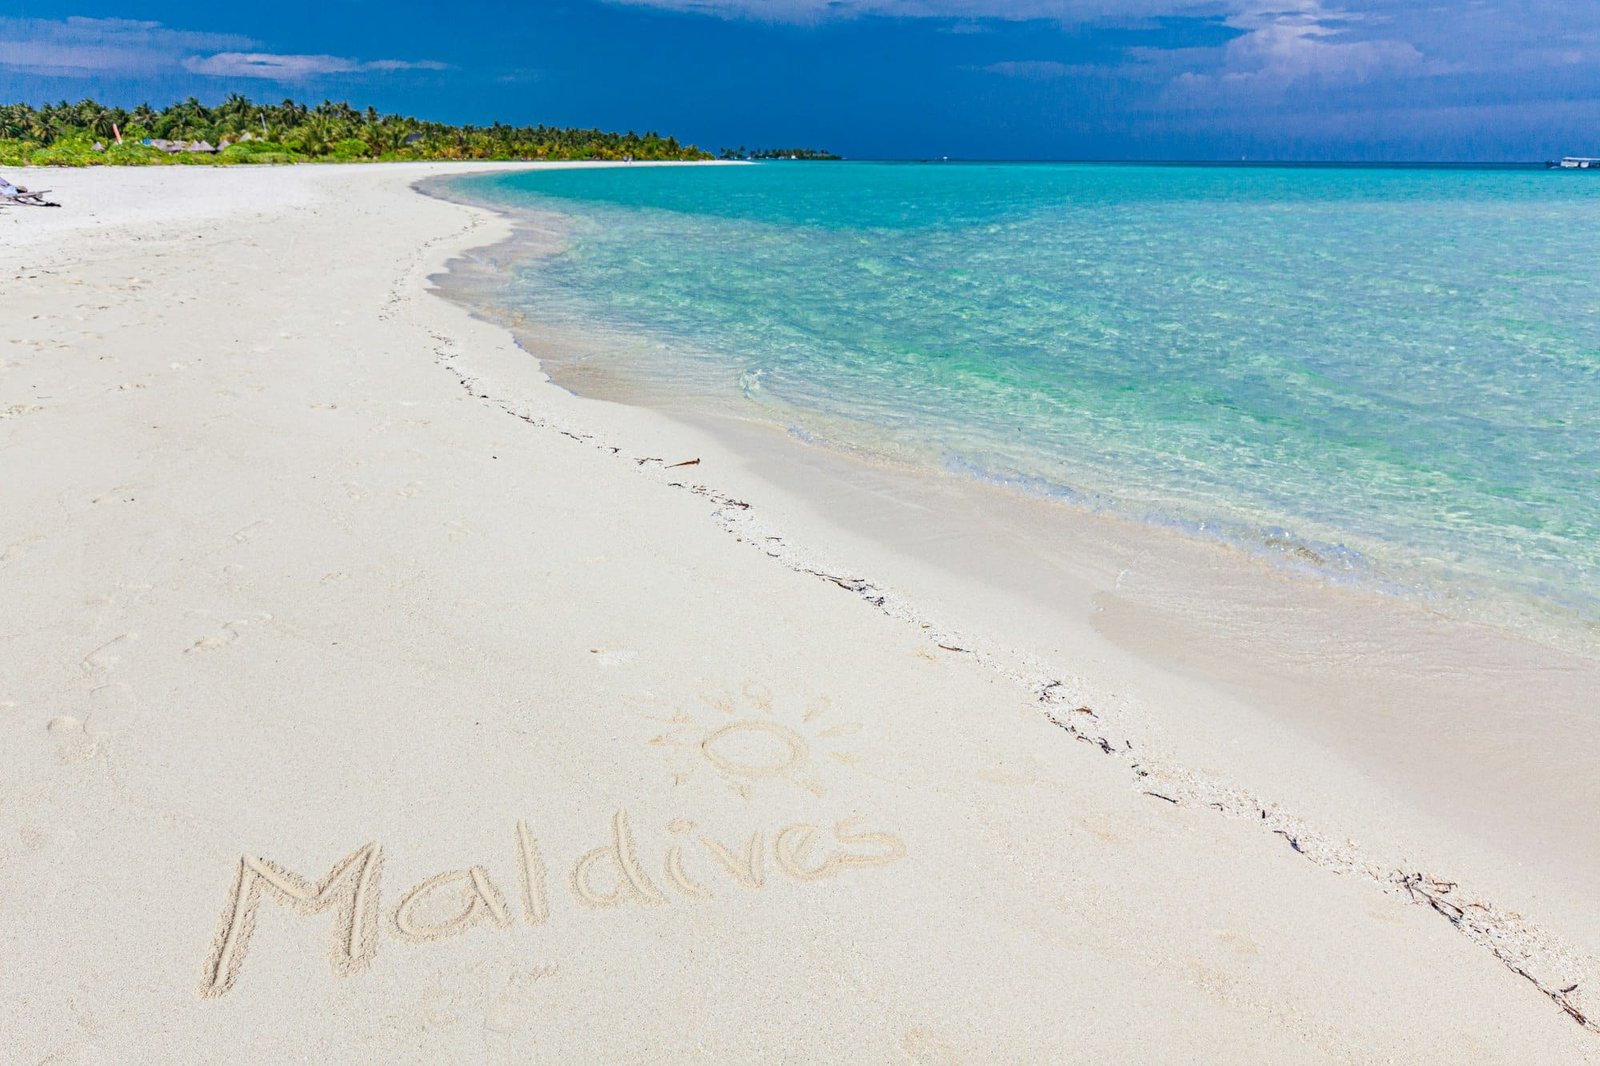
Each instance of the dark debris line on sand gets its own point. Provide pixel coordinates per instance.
(1526, 950)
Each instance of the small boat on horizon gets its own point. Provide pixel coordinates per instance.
(1574, 162)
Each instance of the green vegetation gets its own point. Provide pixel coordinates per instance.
(742, 152)
(241, 131)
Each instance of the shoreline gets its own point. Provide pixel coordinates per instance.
(1278, 643)
(428, 494)
(630, 366)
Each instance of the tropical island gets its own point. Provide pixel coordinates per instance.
(240, 130)
(742, 152)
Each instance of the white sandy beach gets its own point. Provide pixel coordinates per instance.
(368, 698)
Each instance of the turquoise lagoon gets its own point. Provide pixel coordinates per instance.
(1391, 376)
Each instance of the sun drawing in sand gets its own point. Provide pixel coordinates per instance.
(750, 738)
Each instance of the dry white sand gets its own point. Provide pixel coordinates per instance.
(365, 697)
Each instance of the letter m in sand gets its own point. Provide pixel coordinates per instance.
(352, 884)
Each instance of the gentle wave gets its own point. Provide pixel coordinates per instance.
(1390, 376)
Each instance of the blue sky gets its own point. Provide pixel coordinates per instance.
(1051, 79)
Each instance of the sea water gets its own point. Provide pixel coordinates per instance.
(1390, 375)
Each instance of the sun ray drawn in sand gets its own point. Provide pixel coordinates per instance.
(749, 738)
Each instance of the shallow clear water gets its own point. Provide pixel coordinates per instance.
(1398, 370)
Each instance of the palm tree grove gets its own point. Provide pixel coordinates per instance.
(239, 130)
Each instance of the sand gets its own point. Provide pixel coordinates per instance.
(367, 697)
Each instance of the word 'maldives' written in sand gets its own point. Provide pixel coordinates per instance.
(449, 903)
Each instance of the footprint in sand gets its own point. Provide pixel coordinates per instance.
(519, 1004)
(17, 410)
(927, 1048)
(245, 534)
(43, 838)
(229, 633)
(1239, 942)
(16, 549)
(74, 741)
(105, 657)
(77, 1054)
(513, 1001)
(415, 488)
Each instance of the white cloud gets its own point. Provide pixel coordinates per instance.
(1291, 42)
(293, 67)
(1041, 69)
(404, 64)
(1278, 44)
(1305, 42)
(87, 47)
(809, 11)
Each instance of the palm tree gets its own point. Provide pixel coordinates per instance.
(14, 121)
(235, 115)
(97, 119)
(314, 136)
(41, 125)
